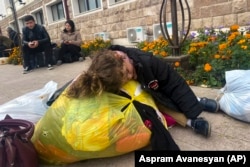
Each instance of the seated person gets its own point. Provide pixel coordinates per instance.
(71, 41)
(13, 35)
(35, 40)
(5, 43)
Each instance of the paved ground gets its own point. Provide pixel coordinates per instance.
(227, 133)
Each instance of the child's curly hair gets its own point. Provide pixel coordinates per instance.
(104, 74)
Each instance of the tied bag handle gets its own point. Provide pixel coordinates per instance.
(28, 127)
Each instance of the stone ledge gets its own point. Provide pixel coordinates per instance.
(183, 59)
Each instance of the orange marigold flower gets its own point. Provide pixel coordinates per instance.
(231, 37)
(207, 67)
(156, 52)
(163, 53)
(241, 41)
(234, 27)
(145, 48)
(192, 50)
(217, 56)
(247, 35)
(222, 46)
(177, 64)
(244, 47)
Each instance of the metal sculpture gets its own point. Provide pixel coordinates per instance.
(178, 35)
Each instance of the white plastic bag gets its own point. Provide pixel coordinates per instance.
(31, 106)
(235, 100)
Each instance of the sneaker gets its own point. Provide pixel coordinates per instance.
(26, 70)
(209, 105)
(81, 59)
(59, 62)
(50, 67)
(201, 126)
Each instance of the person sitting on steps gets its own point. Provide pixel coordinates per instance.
(70, 43)
(14, 36)
(35, 40)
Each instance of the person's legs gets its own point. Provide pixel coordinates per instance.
(209, 105)
(62, 51)
(47, 48)
(179, 117)
(75, 51)
(2, 48)
(28, 61)
(199, 125)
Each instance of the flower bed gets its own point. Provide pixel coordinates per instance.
(211, 53)
(88, 47)
(15, 56)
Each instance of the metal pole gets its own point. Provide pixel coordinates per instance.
(13, 7)
(177, 36)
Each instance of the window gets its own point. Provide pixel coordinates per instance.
(39, 17)
(88, 5)
(111, 2)
(21, 23)
(57, 11)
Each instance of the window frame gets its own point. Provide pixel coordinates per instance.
(21, 23)
(49, 12)
(115, 3)
(78, 10)
(41, 15)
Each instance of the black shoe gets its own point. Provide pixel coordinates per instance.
(81, 59)
(201, 126)
(209, 105)
(50, 67)
(26, 70)
(59, 62)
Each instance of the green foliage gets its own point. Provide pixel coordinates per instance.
(212, 52)
(88, 47)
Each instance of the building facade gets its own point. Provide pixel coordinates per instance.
(113, 18)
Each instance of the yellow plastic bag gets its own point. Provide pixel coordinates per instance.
(78, 129)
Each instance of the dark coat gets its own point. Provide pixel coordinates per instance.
(159, 79)
(38, 33)
(13, 35)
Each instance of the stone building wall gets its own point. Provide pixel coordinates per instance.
(118, 18)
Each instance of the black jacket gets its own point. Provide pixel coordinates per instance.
(38, 33)
(13, 35)
(159, 79)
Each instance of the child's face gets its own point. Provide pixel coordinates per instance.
(128, 68)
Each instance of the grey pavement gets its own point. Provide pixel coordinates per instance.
(227, 133)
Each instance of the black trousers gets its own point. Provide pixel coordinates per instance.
(29, 55)
(70, 48)
(2, 48)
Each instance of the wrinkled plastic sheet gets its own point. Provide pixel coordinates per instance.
(31, 106)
